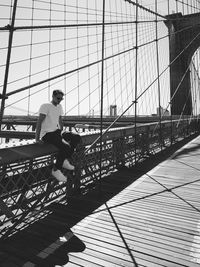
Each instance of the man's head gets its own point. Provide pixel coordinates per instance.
(57, 96)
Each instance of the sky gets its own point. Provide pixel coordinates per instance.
(40, 54)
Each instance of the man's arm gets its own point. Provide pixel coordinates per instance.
(61, 123)
(38, 126)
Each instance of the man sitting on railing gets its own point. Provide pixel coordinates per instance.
(48, 130)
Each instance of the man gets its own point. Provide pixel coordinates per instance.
(48, 130)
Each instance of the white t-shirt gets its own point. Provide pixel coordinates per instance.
(51, 121)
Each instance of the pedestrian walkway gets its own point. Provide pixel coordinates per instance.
(150, 221)
(153, 222)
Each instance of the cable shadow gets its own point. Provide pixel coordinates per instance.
(192, 167)
(186, 151)
(170, 190)
(149, 196)
(122, 237)
(160, 192)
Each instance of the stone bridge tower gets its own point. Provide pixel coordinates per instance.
(184, 40)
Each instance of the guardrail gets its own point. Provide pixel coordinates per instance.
(26, 185)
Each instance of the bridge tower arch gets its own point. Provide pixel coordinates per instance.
(184, 40)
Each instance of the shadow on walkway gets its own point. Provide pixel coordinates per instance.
(186, 151)
(48, 241)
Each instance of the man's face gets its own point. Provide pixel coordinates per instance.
(57, 98)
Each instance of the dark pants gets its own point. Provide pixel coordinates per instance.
(64, 151)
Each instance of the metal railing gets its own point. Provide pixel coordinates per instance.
(26, 185)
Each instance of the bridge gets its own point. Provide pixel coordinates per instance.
(130, 75)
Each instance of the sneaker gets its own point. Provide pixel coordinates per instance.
(59, 176)
(67, 165)
(65, 142)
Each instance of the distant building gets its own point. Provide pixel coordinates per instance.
(113, 110)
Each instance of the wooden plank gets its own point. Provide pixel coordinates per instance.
(15, 154)
(140, 242)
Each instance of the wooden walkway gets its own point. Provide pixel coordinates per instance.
(141, 217)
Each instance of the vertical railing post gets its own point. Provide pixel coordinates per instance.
(168, 8)
(49, 50)
(176, 6)
(30, 54)
(65, 55)
(158, 75)
(10, 40)
(136, 76)
(102, 87)
(171, 132)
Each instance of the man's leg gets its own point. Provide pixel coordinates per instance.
(54, 138)
(64, 151)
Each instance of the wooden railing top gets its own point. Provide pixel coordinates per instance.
(25, 152)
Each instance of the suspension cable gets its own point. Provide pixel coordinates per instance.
(109, 127)
(3, 96)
